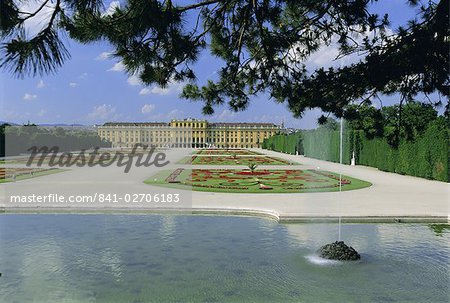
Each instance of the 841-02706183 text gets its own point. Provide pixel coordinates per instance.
(139, 198)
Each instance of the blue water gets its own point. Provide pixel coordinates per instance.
(178, 258)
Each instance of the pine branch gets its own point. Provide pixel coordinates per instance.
(197, 5)
(40, 55)
(31, 15)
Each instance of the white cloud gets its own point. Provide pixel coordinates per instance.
(29, 97)
(103, 56)
(38, 22)
(172, 88)
(325, 55)
(147, 108)
(40, 84)
(41, 113)
(111, 8)
(134, 80)
(83, 76)
(225, 115)
(118, 67)
(160, 91)
(276, 119)
(175, 114)
(73, 84)
(103, 112)
(145, 91)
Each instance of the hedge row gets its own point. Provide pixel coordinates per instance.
(289, 144)
(324, 144)
(427, 157)
(320, 144)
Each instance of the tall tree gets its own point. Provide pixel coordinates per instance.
(408, 121)
(367, 118)
(263, 43)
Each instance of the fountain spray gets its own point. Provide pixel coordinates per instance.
(339, 250)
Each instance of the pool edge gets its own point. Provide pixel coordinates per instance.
(268, 214)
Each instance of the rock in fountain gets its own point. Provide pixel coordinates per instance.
(338, 251)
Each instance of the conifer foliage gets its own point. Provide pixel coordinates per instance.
(264, 45)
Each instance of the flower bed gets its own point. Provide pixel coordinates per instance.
(172, 178)
(259, 180)
(217, 151)
(238, 160)
(8, 174)
(254, 173)
(19, 171)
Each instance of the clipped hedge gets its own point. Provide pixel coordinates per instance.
(324, 144)
(289, 144)
(427, 157)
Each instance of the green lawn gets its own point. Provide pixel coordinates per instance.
(262, 181)
(238, 160)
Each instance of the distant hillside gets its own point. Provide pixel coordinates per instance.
(10, 123)
(63, 125)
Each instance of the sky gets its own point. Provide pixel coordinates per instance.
(92, 88)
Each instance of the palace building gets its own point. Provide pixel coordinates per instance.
(187, 133)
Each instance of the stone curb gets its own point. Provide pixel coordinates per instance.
(229, 212)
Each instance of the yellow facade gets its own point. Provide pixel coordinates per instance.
(187, 133)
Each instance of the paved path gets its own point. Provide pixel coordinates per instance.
(391, 195)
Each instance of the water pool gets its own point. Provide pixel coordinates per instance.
(181, 258)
